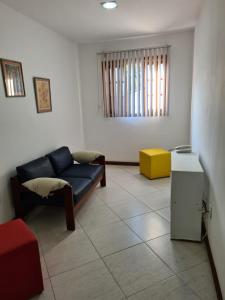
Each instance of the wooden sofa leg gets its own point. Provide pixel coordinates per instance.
(103, 181)
(69, 208)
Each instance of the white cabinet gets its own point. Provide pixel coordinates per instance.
(187, 185)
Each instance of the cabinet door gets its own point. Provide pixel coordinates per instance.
(186, 205)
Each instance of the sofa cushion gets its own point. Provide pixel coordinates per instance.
(40, 167)
(61, 159)
(83, 171)
(44, 186)
(85, 157)
(79, 186)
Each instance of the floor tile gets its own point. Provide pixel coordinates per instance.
(72, 251)
(49, 221)
(124, 179)
(93, 201)
(112, 238)
(136, 268)
(169, 289)
(112, 201)
(165, 213)
(199, 278)
(138, 188)
(44, 268)
(47, 294)
(149, 226)
(129, 207)
(142, 270)
(92, 281)
(162, 183)
(112, 194)
(179, 255)
(96, 216)
(114, 171)
(156, 200)
(109, 183)
(131, 169)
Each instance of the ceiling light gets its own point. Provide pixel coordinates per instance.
(109, 4)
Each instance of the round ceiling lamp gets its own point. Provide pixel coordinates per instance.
(109, 4)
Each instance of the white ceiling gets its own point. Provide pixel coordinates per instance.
(86, 21)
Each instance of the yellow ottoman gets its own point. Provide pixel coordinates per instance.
(155, 163)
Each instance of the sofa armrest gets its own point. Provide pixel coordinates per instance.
(100, 160)
(86, 157)
(65, 192)
(45, 186)
(17, 190)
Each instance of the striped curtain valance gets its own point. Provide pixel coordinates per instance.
(135, 82)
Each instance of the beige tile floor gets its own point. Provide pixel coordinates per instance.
(121, 248)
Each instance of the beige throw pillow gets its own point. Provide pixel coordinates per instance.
(43, 186)
(84, 157)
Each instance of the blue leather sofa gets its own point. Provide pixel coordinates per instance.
(82, 178)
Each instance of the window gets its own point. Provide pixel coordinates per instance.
(135, 83)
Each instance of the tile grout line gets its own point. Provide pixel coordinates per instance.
(146, 243)
(49, 277)
(128, 225)
(102, 257)
(151, 209)
(146, 213)
(158, 190)
(175, 273)
(115, 280)
(119, 251)
(74, 268)
(123, 220)
(162, 216)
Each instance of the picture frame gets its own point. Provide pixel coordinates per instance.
(12, 74)
(42, 91)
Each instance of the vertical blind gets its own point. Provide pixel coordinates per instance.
(135, 82)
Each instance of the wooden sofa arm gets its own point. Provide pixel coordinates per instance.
(65, 192)
(101, 161)
(17, 189)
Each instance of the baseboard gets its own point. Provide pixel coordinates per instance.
(122, 163)
(213, 268)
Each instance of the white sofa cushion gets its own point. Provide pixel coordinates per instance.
(84, 157)
(44, 186)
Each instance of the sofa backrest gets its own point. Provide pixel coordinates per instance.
(61, 159)
(40, 167)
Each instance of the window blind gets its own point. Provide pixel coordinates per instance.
(135, 83)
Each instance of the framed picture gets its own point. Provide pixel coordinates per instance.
(13, 78)
(42, 94)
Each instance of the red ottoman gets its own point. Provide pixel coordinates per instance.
(20, 268)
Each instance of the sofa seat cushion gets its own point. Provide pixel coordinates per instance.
(79, 186)
(40, 167)
(61, 159)
(83, 171)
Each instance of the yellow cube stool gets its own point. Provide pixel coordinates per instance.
(155, 163)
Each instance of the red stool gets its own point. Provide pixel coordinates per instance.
(20, 268)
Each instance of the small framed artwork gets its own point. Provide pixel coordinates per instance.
(13, 78)
(43, 94)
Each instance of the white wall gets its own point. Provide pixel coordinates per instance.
(24, 134)
(121, 138)
(208, 119)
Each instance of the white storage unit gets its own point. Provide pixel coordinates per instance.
(187, 186)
